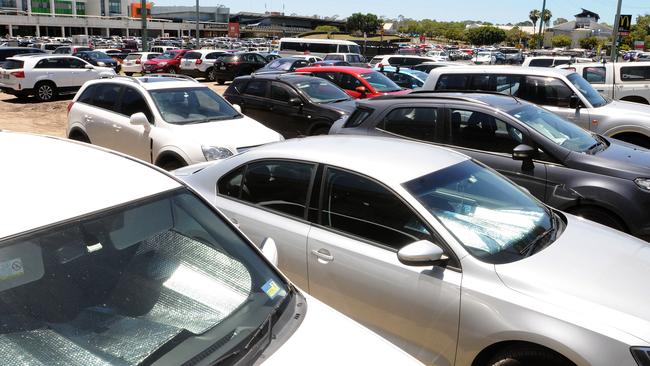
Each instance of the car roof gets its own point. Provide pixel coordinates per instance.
(156, 82)
(389, 160)
(517, 70)
(72, 179)
(493, 99)
(346, 69)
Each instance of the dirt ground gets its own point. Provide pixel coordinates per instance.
(43, 118)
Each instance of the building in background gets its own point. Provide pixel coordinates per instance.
(216, 14)
(585, 25)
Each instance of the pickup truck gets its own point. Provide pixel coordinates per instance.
(628, 81)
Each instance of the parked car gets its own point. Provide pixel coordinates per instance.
(591, 176)
(399, 60)
(292, 104)
(147, 273)
(98, 58)
(513, 55)
(438, 55)
(428, 66)
(489, 58)
(133, 63)
(617, 80)
(47, 76)
(438, 253)
(563, 92)
(162, 49)
(404, 77)
(6, 52)
(354, 59)
(70, 50)
(358, 82)
(168, 62)
(228, 67)
(553, 61)
(167, 121)
(330, 63)
(117, 54)
(308, 57)
(47, 47)
(269, 56)
(281, 66)
(200, 64)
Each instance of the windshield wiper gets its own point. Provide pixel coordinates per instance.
(337, 100)
(530, 247)
(599, 142)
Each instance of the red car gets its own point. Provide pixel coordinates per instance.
(358, 82)
(168, 62)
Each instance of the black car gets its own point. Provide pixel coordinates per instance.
(98, 58)
(6, 52)
(292, 104)
(228, 67)
(331, 63)
(282, 65)
(598, 178)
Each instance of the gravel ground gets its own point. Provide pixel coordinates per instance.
(43, 118)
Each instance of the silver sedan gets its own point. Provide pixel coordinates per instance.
(438, 253)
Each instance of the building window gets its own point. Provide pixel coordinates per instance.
(40, 6)
(114, 7)
(62, 7)
(7, 3)
(81, 8)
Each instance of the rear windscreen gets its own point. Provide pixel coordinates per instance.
(12, 64)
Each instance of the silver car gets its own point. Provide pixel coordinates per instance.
(438, 253)
(563, 92)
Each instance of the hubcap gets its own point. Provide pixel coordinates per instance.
(45, 92)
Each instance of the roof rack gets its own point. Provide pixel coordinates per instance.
(146, 76)
(463, 92)
(428, 95)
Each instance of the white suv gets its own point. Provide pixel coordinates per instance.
(170, 121)
(47, 76)
(400, 60)
(133, 62)
(200, 64)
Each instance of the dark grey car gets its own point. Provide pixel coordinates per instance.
(599, 178)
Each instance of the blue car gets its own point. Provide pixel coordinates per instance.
(406, 78)
(98, 58)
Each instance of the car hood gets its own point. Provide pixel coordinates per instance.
(620, 159)
(345, 107)
(595, 275)
(327, 337)
(628, 109)
(233, 134)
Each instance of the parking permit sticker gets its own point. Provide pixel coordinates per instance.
(272, 289)
(11, 268)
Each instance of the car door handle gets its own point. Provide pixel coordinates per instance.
(323, 254)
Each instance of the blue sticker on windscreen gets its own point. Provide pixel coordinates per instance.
(272, 289)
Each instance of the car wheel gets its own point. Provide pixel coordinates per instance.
(171, 70)
(221, 81)
(79, 136)
(128, 73)
(45, 91)
(600, 216)
(528, 356)
(212, 75)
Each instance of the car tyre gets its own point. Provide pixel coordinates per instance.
(171, 70)
(45, 91)
(128, 73)
(600, 216)
(79, 136)
(212, 75)
(221, 81)
(528, 356)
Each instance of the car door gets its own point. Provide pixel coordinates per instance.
(80, 74)
(287, 119)
(349, 83)
(254, 101)
(268, 198)
(258, 61)
(353, 267)
(491, 140)
(99, 119)
(131, 139)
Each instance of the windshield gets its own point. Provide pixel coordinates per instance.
(281, 64)
(594, 98)
(491, 217)
(192, 105)
(556, 129)
(133, 56)
(98, 55)
(380, 82)
(321, 91)
(419, 74)
(127, 285)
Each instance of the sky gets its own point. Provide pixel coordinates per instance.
(495, 11)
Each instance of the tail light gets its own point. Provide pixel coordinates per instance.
(70, 106)
(199, 61)
(18, 74)
(138, 61)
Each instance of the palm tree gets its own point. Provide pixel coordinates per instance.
(534, 16)
(546, 17)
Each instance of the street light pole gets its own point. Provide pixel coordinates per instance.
(540, 41)
(143, 16)
(614, 55)
(198, 42)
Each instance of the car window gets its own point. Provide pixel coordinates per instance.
(541, 62)
(133, 102)
(133, 56)
(279, 92)
(357, 117)
(348, 81)
(359, 206)
(544, 91)
(418, 123)
(409, 61)
(192, 55)
(594, 75)
(335, 57)
(73, 63)
(278, 185)
(452, 82)
(87, 95)
(354, 58)
(259, 59)
(481, 131)
(152, 56)
(51, 63)
(344, 48)
(332, 77)
(321, 91)
(380, 82)
(480, 82)
(230, 184)
(192, 105)
(634, 73)
(106, 96)
(256, 88)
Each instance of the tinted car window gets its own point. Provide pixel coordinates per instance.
(256, 88)
(417, 123)
(545, 91)
(357, 117)
(106, 96)
(335, 57)
(12, 64)
(481, 131)
(349, 82)
(541, 62)
(634, 73)
(51, 63)
(333, 77)
(133, 102)
(73, 63)
(411, 61)
(362, 207)
(87, 95)
(230, 184)
(192, 55)
(452, 82)
(395, 61)
(278, 185)
(480, 82)
(594, 74)
(280, 93)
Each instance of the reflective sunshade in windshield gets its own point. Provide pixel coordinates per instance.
(127, 286)
(380, 82)
(321, 91)
(493, 219)
(192, 105)
(556, 129)
(588, 91)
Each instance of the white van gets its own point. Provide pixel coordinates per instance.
(316, 47)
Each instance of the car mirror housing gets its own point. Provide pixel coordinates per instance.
(140, 119)
(89, 66)
(525, 154)
(360, 89)
(574, 102)
(295, 102)
(270, 250)
(422, 253)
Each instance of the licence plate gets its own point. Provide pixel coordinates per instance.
(222, 68)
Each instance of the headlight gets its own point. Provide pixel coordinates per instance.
(643, 183)
(641, 355)
(162, 63)
(99, 63)
(215, 153)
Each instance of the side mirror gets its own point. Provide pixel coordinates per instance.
(524, 153)
(361, 89)
(270, 250)
(295, 102)
(575, 102)
(422, 253)
(139, 119)
(237, 107)
(89, 66)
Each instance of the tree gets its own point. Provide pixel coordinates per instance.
(546, 18)
(534, 17)
(326, 28)
(527, 23)
(486, 35)
(561, 41)
(559, 21)
(590, 43)
(368, 23)
(515, 36)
